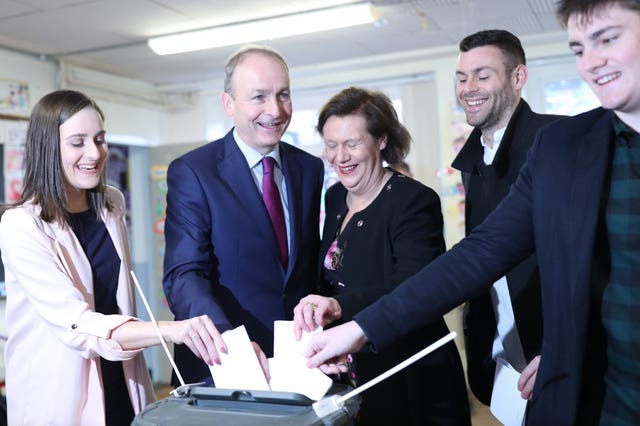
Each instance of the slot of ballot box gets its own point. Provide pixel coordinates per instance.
(249, 400)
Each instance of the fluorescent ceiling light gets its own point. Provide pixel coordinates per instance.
(264, 29)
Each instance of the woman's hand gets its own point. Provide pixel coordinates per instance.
(199, 334)
(313, 311)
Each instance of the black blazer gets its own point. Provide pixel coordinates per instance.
(397, 234)
(552, 207)
(221, 255)
(485, 187)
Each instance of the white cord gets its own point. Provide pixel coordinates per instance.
(155, 325)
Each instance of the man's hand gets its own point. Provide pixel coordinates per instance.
(528, 378)
(328, 349)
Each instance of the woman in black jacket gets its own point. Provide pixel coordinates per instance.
(380, 228)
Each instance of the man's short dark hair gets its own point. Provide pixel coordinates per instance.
(586, 8)
(508, 44)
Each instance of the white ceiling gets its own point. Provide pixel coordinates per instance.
(111, 35)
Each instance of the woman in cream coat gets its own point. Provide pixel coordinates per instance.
(74, 349)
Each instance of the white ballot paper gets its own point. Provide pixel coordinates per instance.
(284, 344)
(240, 368)
(288, 367)
(506, 403)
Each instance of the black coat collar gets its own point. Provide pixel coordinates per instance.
(467, 159)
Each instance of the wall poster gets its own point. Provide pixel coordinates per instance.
(14, 99)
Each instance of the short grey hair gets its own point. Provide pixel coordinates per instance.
(239, 55)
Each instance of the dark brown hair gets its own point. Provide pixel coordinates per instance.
(508, 44)
(44, 181)
(584, 9)
(379, 114)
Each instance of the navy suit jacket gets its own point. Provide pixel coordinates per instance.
(222, 255)
(552, 208)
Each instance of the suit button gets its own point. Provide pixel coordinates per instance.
(74, 326)
(284, 296)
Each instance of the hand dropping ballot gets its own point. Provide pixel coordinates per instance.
(240, 369)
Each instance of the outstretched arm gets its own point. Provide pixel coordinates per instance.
(199, 334)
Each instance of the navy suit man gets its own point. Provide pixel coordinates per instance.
(505, 322)
(224, 255)
(576, 203)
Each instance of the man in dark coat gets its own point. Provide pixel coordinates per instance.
(505, 322)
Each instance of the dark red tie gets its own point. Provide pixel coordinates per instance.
(271, 197)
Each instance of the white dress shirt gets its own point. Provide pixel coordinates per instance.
(506, 343)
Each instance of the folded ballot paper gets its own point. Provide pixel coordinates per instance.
(240, 369)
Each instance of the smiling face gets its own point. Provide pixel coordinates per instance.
(353, 153)
(607, 49)
(83, 153)
(260, 100)
(486, 90)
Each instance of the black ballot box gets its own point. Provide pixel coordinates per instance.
(228, 407)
